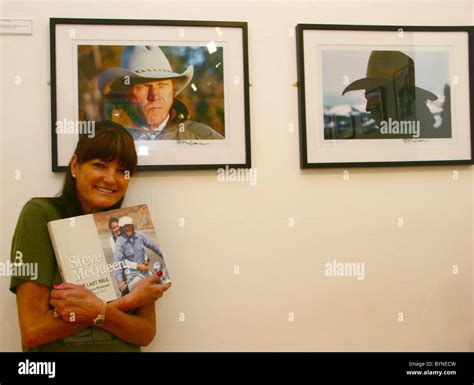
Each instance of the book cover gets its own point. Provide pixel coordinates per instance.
(108, 252)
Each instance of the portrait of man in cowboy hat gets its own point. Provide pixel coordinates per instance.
(393, 96)
(387, 103)
(144, 94)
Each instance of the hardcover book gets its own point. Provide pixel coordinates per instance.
(108, 252)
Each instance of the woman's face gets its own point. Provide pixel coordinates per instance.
(99, 184)
(114, 226)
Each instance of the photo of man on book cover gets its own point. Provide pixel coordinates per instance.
(130, 241)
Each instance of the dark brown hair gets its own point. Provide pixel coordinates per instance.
(110, 142)
(112, 220)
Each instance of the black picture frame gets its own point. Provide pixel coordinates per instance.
(336, 61)
(219, 95)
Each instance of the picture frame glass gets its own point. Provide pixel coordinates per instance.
(398, 94)
(180, 89)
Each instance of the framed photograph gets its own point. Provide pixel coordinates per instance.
(180, 88)
(385, 95)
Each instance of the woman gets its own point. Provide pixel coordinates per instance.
(62, 318)
(115, 231)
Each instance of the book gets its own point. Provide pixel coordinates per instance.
(109, 252)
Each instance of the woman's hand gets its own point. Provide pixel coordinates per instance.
(145, 292)
(75, 303)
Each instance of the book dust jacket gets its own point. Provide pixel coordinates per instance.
(108, 252)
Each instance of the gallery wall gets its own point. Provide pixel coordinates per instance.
(248, 266)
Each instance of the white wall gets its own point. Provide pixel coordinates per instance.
(408, 270)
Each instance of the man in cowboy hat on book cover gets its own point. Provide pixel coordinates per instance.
(392, 97)
(143, 94)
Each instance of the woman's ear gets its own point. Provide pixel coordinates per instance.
(74, 166)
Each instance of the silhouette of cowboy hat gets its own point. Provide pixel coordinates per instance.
(381, 69)
(143, 64)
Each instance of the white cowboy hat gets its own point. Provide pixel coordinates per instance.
(145, 63)
(125, 221)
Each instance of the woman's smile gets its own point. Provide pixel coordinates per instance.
(100, 184)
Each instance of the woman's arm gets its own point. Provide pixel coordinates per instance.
(142, 297)
(37, 323)
(138, 329)
(143, 293)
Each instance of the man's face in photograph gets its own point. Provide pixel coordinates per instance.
(152, 101)
(128, 230)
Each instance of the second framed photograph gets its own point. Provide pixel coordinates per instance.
(385, 96)
(180, 88)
